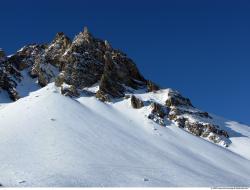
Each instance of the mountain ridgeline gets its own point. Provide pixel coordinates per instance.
(74, 65)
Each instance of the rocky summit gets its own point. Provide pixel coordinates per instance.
(75, 66)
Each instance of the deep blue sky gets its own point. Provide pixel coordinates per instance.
(201, 48)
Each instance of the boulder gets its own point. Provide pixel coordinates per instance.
(102, 96)
(176, 99)
(136, 102)
(69, 90)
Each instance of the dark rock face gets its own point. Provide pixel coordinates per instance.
(119, 71)
(181, 121)
(176, 99)
(109, 84)
(136, 102)
(158, 113)
(159, 110)
(152, 87)
(82, 62)
(27, 56)
(9, 77)
(56, 49)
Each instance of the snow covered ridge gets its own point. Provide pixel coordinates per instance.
(166, 105)
(47, 139)
(85, 62)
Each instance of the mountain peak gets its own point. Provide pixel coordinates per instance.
(88, 61)
(86, 30)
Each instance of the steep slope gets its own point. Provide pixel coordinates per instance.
(85, 61)
(47, 139)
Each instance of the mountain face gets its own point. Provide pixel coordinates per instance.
(95, 97)
(85, 61)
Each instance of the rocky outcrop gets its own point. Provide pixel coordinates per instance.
(179, 110)
(207, 130)
(176, 99)
(201, 129)
(158, 113)
(176, 111)
(56, 49)
(151, 86)
(26, 57)
(84, 61)
(9, 77)
(136, 102)
(69, 90)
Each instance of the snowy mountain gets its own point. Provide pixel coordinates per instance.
(79, 113)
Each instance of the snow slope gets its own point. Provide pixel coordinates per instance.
(47, 139)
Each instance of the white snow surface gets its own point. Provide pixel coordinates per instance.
(47, 139)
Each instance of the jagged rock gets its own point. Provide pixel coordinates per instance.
(83, 62)
(107, 45)
(159, 110)
(42, 80)
(87, 36)
(119, 72)
(206, 130)
(181, 121)
(181, 110)
(176, 99)
(136, 102)
(158, 113)
(13, 94)
(25, 57)
(59, 79)
(9, 77)
(215, 129)
(176, 111)
(102, 96)
(152, 87)
(204, 114)
(69, 90)
(195, 128)
(127, 72)
(56, 49)
(109, 82)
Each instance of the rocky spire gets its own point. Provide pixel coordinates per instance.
(86, 34)
(85, 30)
(107, 45)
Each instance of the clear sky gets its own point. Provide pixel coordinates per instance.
(201, 48)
